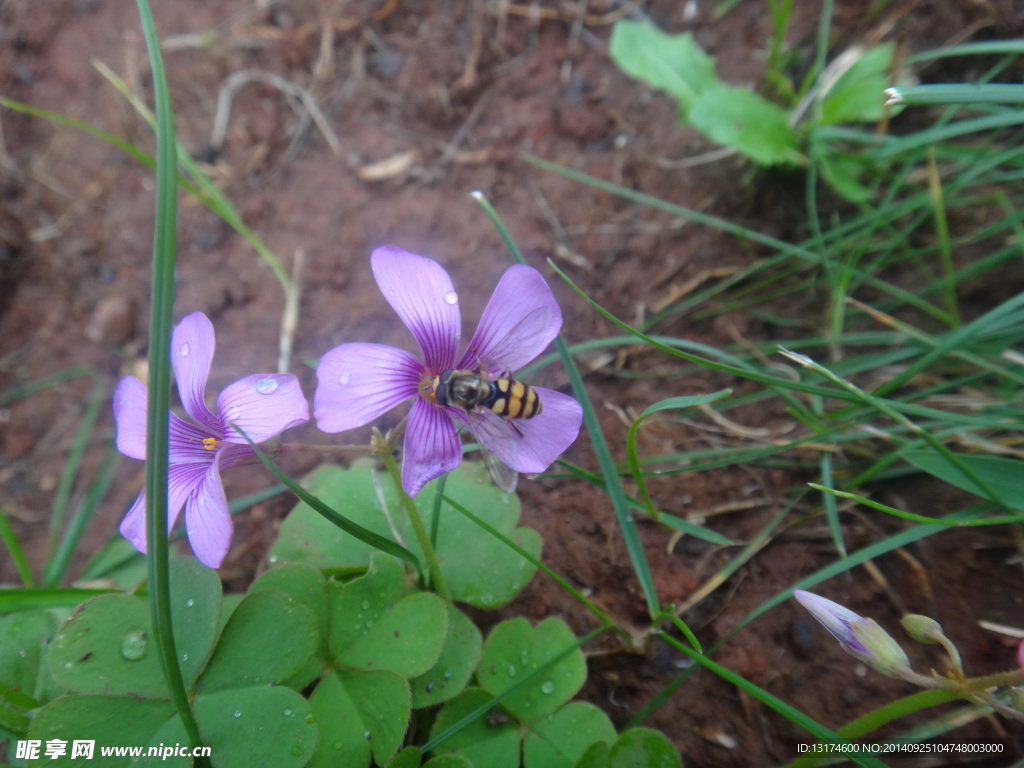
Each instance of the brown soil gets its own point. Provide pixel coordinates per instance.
(463, 88)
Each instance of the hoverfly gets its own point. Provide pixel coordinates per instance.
(493, 403)
(475, 393)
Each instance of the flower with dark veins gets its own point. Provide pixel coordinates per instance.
(262, 405)
(358, 382)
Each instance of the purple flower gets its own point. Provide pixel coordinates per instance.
(359, 382)
(262, 405)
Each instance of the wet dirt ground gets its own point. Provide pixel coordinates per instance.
(423, 103)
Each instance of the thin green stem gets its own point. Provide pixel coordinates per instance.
(422, 536)
(158, 412)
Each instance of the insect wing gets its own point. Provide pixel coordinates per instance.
(501, 473)
(509, 346)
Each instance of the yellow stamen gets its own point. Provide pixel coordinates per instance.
(210, 443)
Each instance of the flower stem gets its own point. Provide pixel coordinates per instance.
(433, 565)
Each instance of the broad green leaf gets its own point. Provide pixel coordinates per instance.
(360, 713)
(16, 710)
(448, 761)
(464, 550)
(490, 740)
(195, 614)
(859, 95)
(454, 667)
(842, 171)
(23, 651)
(747, 122)
(373, 627)
(410, 757)
(1002, 474)
(268, 638)
(110, 721)
(514, 651)
(643, 747)
(671, 63)
(595, 756)
(258, 727)
(106, 647)
(302, 583)
(560, 739)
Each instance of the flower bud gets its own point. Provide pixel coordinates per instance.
(922, 628)
(860, 637)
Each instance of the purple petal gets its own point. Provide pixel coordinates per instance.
(538, 441)
(208, 520)
(262, 405)
(520, 320)
(192, 345)
(836, 618)
(130, 414)
(432, 446)
(356, 383)
(421, 292)
(185, 441)
(181, 481)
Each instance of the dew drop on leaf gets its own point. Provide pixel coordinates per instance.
(547, 687)
(237, 713)
(511, 670)
(287, 712)
(133, 645)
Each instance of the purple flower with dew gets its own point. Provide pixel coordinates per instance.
(262, 405)
(359, 382)
(836, 618)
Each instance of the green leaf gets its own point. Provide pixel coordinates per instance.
(374, 627)
(410, 757)
(1002, 474)
(106, 647)
(268, 638)
(195, 614)
(23, 650)
(16, 709)
(108, 720)
(259, 727)
(671, 63)
(859, 95)
(747, 122)
(842, 171)
(514, 651)
(453, 669)
(643, 747)
(304, 584)
(448, 761)
(358, 713)
(560, 740)
(490, 740)
(595, 756)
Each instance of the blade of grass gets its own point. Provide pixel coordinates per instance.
(13, 545)
(159, 405)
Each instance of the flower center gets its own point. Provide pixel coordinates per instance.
(428, 386)
(210, 443)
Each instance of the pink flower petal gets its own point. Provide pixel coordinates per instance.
(262, 405)
(181, 481)
(208, 520)
(192, 345)
(520, 320)
(130, 414)
(356, 383)
(543, 438)
(432, 446)
(421, 292)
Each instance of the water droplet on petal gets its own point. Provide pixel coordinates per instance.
(451, 297)
(133, 645)
(184, 349)
(344, 378)
(266, 386)
(391, 291)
